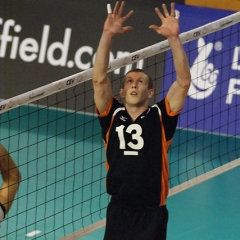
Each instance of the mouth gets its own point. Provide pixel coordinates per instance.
(133, 93)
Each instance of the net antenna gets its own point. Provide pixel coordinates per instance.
(73, 135)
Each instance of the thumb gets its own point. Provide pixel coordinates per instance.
(128, 28)
(154, 27)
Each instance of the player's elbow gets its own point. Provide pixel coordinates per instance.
(184, 83)
(19, 177)
(100, 79)
(15, 176)
(184, 78)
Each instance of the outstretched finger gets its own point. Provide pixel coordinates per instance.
(159, 13)
(165, 11)
(177, 14)
(109, 9)
(120, 11)
(128, 15)
(115, 10)
(172, 9)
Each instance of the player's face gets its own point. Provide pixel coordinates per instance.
(135, 91)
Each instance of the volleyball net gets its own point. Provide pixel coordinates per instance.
(54, 136)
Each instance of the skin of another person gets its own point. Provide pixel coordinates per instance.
(11, 178)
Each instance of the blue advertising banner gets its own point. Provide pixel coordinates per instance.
(214, 95)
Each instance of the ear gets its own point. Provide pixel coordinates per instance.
(121, 92)
(150, 93)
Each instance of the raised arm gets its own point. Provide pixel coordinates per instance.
(170, 29)
(11, 179)
(101, 84)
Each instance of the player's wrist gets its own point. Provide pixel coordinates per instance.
(173, 38)
(108, 34)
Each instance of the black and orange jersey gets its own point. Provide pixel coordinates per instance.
(136, 152)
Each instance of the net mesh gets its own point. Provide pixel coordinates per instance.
(55, 138)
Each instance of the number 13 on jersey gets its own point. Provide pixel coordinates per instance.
(136, 131)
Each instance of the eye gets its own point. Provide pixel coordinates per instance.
(142, 81)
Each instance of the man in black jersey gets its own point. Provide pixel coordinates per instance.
(11, 178)
(137, 136)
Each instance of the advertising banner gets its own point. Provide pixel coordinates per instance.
(44, 41)
(214, 96)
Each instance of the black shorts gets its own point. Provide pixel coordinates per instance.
(136, 223)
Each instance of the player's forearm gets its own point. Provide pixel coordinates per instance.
(181, 63)
(11, 179)
(10, 172)
(9, 190)
(102, 57)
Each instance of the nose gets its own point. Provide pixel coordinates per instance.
(134, 85)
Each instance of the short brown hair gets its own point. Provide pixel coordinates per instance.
(150, 81)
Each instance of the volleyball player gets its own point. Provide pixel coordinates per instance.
(137, 136)
(11, 178)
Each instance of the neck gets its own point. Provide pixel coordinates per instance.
(135, 111)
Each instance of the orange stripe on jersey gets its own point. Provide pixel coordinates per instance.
(165, 172)
(105, 113)
(107, 138)
(169, 112)
(165, 169)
